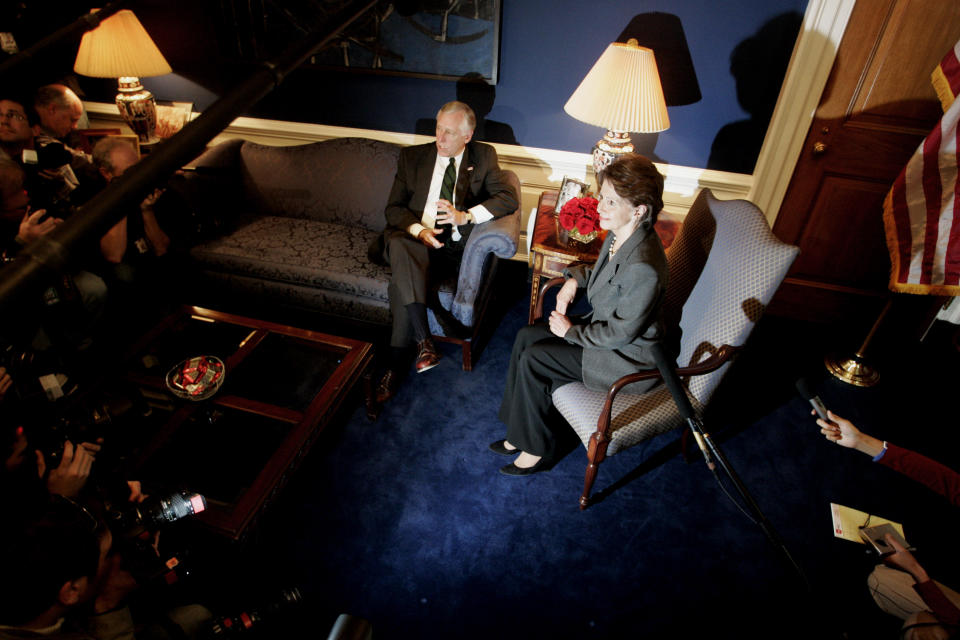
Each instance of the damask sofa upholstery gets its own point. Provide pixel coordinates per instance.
(304, 218)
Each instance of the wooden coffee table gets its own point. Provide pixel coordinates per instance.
(282, 387)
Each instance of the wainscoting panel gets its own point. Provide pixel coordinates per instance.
(538, 169)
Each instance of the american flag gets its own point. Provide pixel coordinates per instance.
(921, 213)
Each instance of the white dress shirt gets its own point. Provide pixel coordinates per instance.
(429, 219)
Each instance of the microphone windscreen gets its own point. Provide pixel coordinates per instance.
(804, 389)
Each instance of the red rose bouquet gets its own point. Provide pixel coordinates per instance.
(579, 216)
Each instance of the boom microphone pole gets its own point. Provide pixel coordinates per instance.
(712, 454)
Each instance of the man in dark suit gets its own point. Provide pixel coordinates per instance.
(441, 191)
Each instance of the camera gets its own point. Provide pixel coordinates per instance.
(252, 620)
(135, 528)
(48, 192)
(52, 155)
(154, 513)
(82, 424)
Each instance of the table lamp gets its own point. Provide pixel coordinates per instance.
(121, 48)
(621, 93)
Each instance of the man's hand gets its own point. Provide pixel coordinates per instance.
(448, 214)
(151, 199)
(566, 295)
(429, 238)
(31, 228)
(136, 492)
(903, 559)
(68, 479)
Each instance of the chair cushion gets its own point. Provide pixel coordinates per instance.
(634, 418)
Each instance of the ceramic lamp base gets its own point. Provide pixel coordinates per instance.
(611, 145)
(138, 109)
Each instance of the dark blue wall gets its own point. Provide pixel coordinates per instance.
(547, 46)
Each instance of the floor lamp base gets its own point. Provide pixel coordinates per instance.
(852, 371)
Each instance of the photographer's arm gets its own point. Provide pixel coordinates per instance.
(159, 240)
(113, 244)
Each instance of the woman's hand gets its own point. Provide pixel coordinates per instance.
(559, 324)
(565, 298)
(842, 431)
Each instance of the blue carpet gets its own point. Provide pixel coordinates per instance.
(405, 521)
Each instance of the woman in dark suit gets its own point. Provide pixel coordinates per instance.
(625, 288)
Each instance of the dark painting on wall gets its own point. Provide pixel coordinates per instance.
(444, 39)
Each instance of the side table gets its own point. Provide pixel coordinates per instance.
(549, 256)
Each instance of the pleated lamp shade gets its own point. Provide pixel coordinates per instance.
(621, 93)
(120, 46)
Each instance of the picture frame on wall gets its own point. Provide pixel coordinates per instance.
(570, 188)
(441, 40)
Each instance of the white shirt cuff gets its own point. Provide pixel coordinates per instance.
(480, 214)
(415, 229)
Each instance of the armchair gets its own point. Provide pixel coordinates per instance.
(464, 300)
(725, 267)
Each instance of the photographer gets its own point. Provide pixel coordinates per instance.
(904, 589)
(64, 579)
(70, 309)
(60, 581)
(52, 169)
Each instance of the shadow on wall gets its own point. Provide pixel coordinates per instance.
(758, 65)
(663, 33)
(474, 90)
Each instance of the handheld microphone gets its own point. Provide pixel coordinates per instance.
(804, 390)
(677, 391)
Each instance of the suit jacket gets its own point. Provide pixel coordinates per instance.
(479, 181)
(626, 293)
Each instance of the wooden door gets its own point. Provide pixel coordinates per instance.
(877, 107)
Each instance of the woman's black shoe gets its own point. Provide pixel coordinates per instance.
(513, 470)
(498, 447)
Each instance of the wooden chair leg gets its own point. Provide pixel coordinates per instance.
(467, 356)
(595, 455)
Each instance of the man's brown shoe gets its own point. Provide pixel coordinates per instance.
(387, 388)
(427, 356)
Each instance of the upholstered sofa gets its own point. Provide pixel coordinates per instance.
(303, 217)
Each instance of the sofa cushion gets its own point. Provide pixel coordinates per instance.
(345, 181)
(297, 251)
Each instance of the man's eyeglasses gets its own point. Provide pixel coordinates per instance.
(13, 115)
